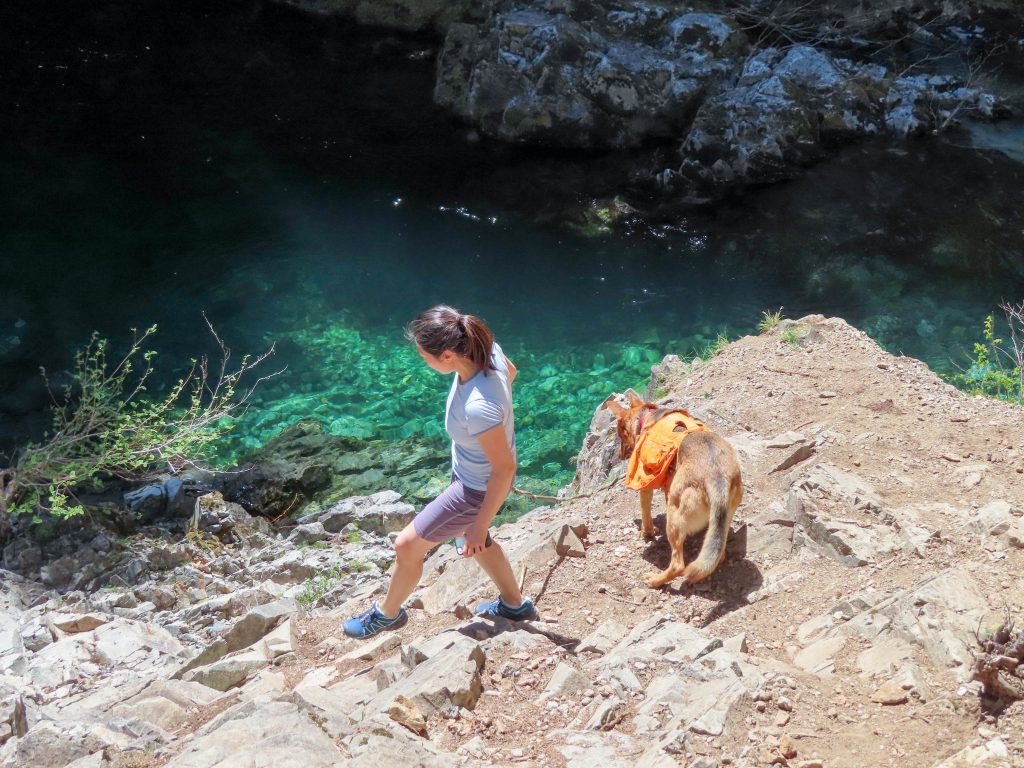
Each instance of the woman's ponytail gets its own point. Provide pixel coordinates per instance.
(479, 342)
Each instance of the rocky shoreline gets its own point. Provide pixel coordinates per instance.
(856, 620)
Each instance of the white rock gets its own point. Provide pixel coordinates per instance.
(604, 638)
(565, 680)
(272, 735)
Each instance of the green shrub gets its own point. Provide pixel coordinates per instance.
(104, 426)
(996, 368)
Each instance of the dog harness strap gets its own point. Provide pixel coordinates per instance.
(654, 455)
(641, 422)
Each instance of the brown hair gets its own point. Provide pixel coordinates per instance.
(442, 328)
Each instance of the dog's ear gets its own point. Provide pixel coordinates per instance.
(634, 399)
(613, 405)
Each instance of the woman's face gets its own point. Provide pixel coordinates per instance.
(443, 363)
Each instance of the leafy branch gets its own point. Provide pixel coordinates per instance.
(105, 427)
(995, 369)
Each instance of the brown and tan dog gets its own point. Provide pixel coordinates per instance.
(702, 487)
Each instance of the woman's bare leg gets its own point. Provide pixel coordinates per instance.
(410, 548)
(495, 564)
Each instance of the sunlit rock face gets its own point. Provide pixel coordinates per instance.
(788, 108)
(745, 113)
(593, 79)
(731, 101)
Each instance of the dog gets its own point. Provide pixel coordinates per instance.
(702, 485)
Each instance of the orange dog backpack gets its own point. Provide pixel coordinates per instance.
(654, 454)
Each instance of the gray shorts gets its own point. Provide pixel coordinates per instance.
(449, 514)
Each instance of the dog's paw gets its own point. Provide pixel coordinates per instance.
(648, 535)
(654, 580)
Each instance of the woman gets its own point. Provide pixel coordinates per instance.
(478, 418)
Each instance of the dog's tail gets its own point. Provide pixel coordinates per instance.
(712, 552)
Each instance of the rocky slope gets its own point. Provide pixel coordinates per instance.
(880, 537)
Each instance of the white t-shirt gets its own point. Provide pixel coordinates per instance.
(475, 406)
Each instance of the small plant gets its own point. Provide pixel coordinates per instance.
(204, 541)
(769, 320)
(314, 589)
(714, 348)
(134, 759)
(791, 337)
(353, 537)
(997, 368)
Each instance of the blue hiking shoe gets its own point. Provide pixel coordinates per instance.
(499, 607)
(373, 621)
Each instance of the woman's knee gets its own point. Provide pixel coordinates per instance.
(409, 545)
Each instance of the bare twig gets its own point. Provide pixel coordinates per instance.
(975, 67)
(1015, 318)
(563, 500)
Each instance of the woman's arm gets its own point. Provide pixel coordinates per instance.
(503, 472)
(512, 371)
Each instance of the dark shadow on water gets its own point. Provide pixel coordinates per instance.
(731, 583)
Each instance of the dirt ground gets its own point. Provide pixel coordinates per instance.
(923, 445)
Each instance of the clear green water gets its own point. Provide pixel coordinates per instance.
(309, 196)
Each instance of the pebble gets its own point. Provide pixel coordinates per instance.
(889, 693)
(787, 747)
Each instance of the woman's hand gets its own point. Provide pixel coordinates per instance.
(475, 541)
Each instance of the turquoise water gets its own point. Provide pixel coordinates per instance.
(330, 272)
(313, 200)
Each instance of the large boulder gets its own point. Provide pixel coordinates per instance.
(165, 703)
(590, 78)
(273, 735)
(789, 107)
(378, 513)
(50, 744)
(260, 621)
(599, 455)
(449, 677)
